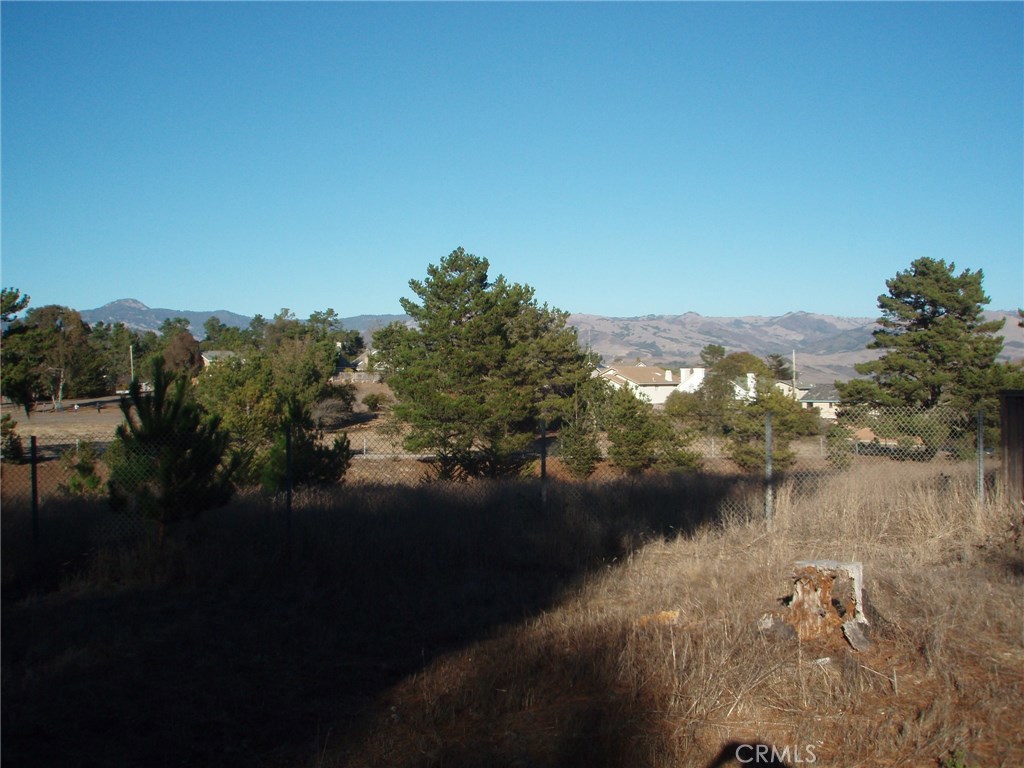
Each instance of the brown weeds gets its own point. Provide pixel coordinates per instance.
(616, 626)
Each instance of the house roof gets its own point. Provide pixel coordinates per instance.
(822, 393)
(213, 355)
(639, 375)
(788, 384)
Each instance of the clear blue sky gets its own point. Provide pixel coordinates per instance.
(623, 159)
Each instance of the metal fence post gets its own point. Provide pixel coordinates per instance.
(1011, 425)
(288, 488)
(543, 463)
(33, 461)
(769, 500)
(981, 456)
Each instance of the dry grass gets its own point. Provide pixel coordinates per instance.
(657, 661)
(617, 626)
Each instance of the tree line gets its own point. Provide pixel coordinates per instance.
(190, 432)
(50, 353)
(485, 368)
(482, 370)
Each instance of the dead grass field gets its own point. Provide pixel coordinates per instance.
(428, 626)
(656, 660)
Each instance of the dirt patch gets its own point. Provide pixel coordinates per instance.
(93, 419)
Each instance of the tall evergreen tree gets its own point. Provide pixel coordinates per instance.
(781, 368)
(936, 345)
(483, 364)
(116, 348)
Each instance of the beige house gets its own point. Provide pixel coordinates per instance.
(796, 393)
(824, 397)
(648, 382)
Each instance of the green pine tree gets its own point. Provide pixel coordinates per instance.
(482, 366)
(640, 439)
(312, 462)
(937, 347)
(578, 446)
(748, 428)
(169, 460)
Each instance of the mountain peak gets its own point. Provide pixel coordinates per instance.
(127, 304)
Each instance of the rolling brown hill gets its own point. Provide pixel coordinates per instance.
(826, 346)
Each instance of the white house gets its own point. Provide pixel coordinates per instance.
(690, 379)
(654, 384)
(745, 388)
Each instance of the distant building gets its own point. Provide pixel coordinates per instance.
(690, 379)
(650, 382)
(217, 356)
(796, 393)
(361, 370)
(656, 384)
(824, 397)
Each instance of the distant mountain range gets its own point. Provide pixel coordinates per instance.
(826, 346)
(138, 316)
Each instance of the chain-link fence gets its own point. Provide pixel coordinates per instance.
(69, 486)
(55, 467)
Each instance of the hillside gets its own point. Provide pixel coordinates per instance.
(137, 315)
(826, 346)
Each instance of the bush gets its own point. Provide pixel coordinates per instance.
(312, 462)
(578, 448)
(332, 413)
(169, 460)
(641, 439)
(11, 448)
(80, 462)
(374, 401)
(839, 446)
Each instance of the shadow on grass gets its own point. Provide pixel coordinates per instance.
(244, 641)
(749, 753)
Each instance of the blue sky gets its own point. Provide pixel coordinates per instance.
(621, 158)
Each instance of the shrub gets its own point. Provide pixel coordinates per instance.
(374, 401)
(11, 448)
(169, 460)
(578, 448)
(80, 462)
(839, 446)
(312, 462)
(640, 438)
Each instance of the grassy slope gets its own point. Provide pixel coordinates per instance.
(422, 627)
